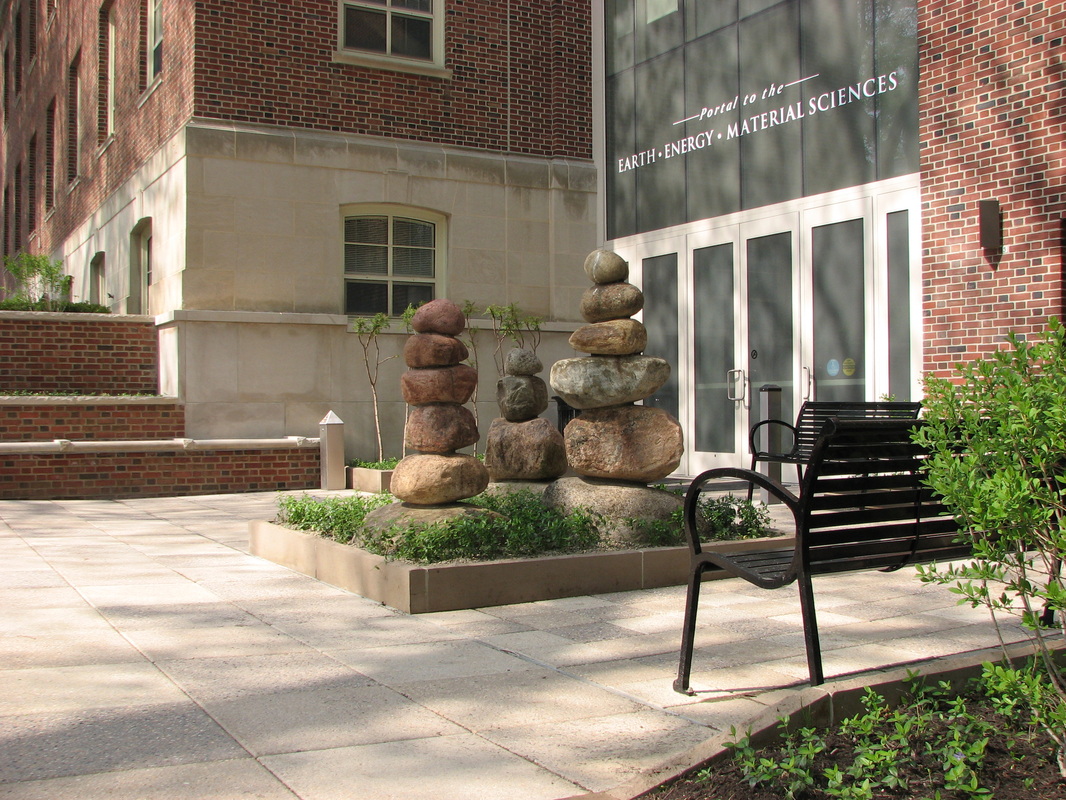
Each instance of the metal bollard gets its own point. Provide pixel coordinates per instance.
(770, 436)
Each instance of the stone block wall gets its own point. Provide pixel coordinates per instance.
(53, 476)
(77, 353)
(993, 127)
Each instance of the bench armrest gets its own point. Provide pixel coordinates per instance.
(748, 476)
(753, 449)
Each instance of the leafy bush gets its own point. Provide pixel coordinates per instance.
(385, 463)
(527, 528)
(38, 279)
(23, 304)
(720, 519)
(997, 437)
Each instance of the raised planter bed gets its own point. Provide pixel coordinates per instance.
(364, 479)
(417, 589)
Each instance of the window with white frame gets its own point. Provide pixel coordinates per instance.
(155, 39)
(403, 30)
(391, 260)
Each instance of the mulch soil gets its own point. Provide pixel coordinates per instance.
(1021, 767)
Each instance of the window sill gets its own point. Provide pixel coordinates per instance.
(158, 79)
(105, 144)
(74, 184)
(392, 64)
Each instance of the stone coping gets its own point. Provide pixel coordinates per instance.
(74, 316)
(821, 706)
(88, 400)
(154, 445)
(420, 589)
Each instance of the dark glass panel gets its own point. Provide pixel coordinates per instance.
(712, 302)
(621, 143)
(660, 98)
(412, 37)
(410, 294)
(412, 233)
(897, 111)
(837, 253)
(362, 297)
(412, 263)
(364, 29)
(367, 230)
(366, 259)
(899, 306)
(770, 341)
(659, 284)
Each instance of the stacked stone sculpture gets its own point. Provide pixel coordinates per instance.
(615, 446)
(522, 446)
(436, 386)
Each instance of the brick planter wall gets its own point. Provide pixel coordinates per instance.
(36, 422)
(992, 128)
(77, 476)
(82, 353)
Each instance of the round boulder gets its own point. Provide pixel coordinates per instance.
(606, 266)
(618, 507)
(521, 397)
(521, 361)
(438, 385)
(628, 443)
(439, 316)
(433, 480)
(440, 428)
(524, 451)
(611, 301)
(616, 337)
(601, 381)
(433, 350)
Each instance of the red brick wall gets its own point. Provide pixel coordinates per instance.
(54, 353)
(36, 422)
(116, 475)
(993, 126)
(521, 75)
(143, 119)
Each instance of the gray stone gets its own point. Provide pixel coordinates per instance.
(627, 443)
(611, 301)
(616, 337)
(530, 451)
(600, 381)
(433, 480)
(440, 428)
(521, 361)
(521, 397)
(618, 505)
(606, 266)
(404, 515)
(439, 316)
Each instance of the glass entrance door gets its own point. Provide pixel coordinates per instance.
(817, 301)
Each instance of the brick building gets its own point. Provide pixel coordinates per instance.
(797, 185)
(252, 174)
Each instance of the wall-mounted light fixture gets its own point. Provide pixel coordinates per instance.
(991, 224)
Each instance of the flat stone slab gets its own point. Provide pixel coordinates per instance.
(420, 589)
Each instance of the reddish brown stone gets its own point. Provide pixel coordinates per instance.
(615, 337)
(626, 443)
(439, 316)
(438, 385)
(433, 350)
(440, 428)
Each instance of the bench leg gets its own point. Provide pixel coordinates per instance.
(688, 632)
(810, 630)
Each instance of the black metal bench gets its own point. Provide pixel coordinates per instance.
(809, 422)
(862, 506)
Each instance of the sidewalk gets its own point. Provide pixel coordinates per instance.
(145, 654)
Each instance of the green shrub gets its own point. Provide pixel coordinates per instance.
(23, 304)
(997, 438)
(386, 463)
(527, 528)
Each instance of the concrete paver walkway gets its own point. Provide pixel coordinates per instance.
(145, 654)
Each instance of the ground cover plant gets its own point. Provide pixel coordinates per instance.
(522, 527)
(937, 744)
(723, 518)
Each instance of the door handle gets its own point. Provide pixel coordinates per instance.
(809, 384)
(733, 378)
